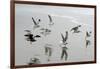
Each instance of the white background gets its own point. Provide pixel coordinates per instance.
(5, 35)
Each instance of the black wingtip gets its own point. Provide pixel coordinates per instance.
(37, 36)
(32, 17)
(26, 35)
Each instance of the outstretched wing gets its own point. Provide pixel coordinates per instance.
(66, 36)
(26, 35)
(72, 29)
(62, 37)
(50, 18)
(27, 30)
(34, 21)
(37, 36)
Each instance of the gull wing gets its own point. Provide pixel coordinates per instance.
(34, 21)
(66, 36)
